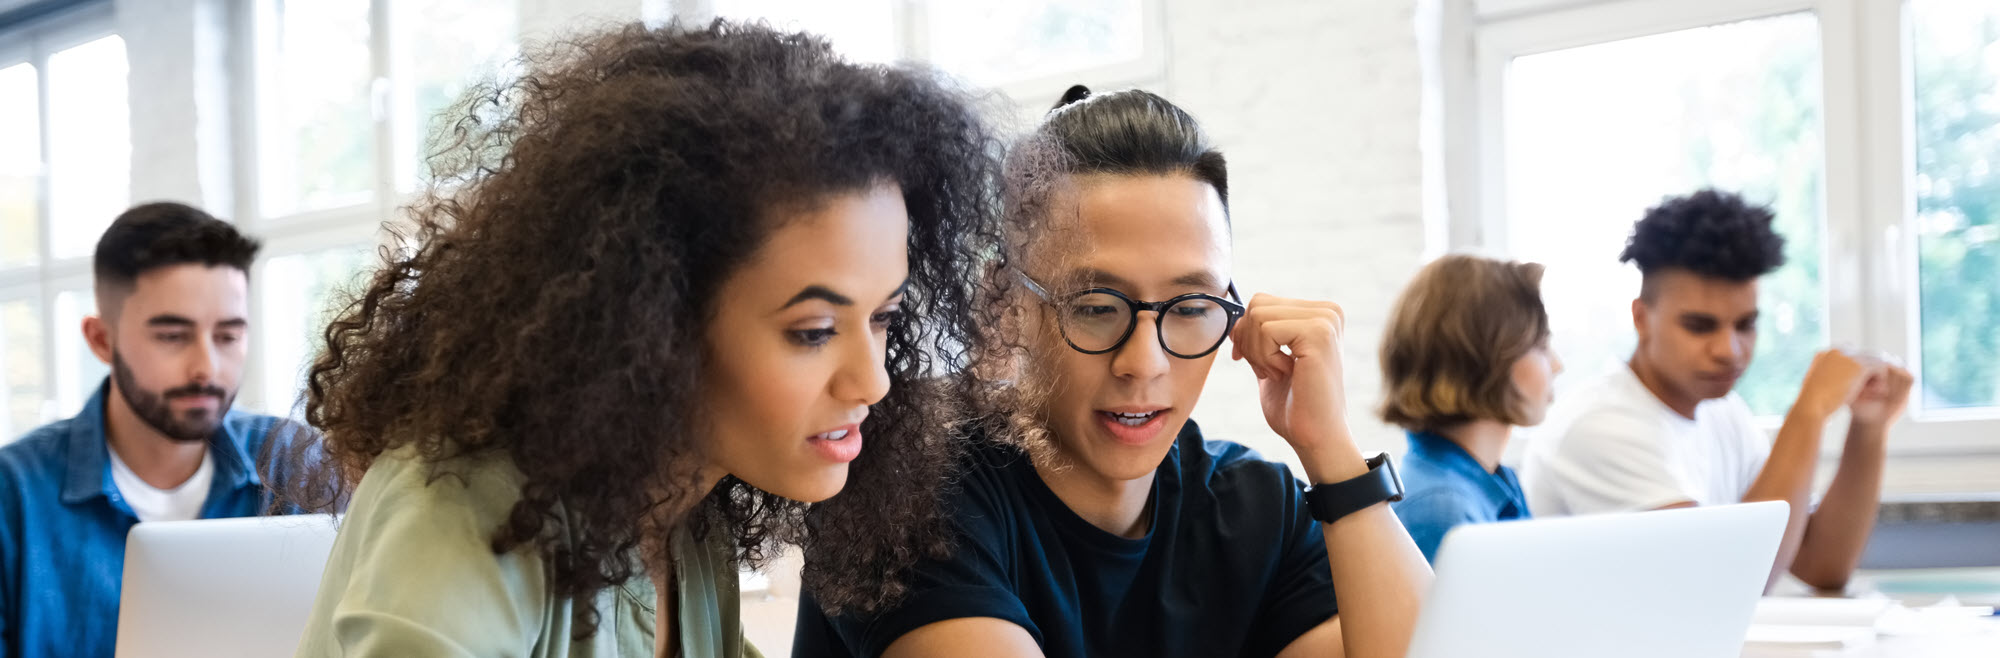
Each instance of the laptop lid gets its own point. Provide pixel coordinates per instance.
(221, 587)
(1668, 584)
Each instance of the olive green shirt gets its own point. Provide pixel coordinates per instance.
(413, 573)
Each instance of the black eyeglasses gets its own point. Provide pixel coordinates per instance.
(1099, 320)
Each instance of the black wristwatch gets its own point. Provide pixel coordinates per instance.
(1330, 502)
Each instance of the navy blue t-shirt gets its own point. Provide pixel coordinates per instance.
(1233, 565)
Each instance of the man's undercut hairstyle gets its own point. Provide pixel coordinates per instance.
(1710, 233)
(163, 234)
(1133, 133)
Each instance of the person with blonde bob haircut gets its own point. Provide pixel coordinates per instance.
(1465, 360)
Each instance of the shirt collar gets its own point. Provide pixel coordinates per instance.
(1498, 489)
(89, 456)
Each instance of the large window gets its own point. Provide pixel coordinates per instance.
(90, 143)
(1596, 134)
(1955, 46)
(23, 371)
(348, 99)
(439, 49)
(20, 166)
(65, 172)
(316, 114)
(1871, 128)
(298, 294)
(344, 120)
(78, 370)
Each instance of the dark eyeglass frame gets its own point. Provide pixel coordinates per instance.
(1232, 307)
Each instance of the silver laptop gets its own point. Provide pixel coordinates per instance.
(1669, 584)
(222, 587)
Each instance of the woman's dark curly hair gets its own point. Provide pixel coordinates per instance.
(568, 255)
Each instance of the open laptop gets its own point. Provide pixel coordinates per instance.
(221, 587)
(1677, 583)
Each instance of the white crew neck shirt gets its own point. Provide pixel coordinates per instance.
(1615, 447)
(150, 503)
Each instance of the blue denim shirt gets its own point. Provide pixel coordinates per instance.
(63, 526)
(1443, 487)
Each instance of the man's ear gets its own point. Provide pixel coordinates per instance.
(1639, 317)
(100, 331)
(97, 333)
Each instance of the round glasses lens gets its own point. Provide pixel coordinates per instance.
(1193, 325)
(1095, 321)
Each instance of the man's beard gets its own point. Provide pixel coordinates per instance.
(193, 426)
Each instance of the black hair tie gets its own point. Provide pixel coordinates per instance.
(1075, 93)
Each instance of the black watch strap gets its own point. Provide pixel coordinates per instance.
(1331, 502)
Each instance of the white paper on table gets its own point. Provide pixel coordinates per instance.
(1810, 637)
(1939, 620)
(1800, 611)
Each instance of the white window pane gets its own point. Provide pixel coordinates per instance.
(20, 167)
(78, 371)
(990, 42)
(1956, 54)
(314, 108)
(1595, 135)
(861, 30)
(21, 369)
(90, 143)
(441, 48)
(297, 296)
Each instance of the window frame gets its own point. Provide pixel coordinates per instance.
(33, 43)
(1869, 258)
(364, 224)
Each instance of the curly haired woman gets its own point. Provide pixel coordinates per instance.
(667, 283)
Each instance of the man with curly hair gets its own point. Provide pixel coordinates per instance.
(1667, 431)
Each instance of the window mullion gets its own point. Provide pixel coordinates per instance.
(1885, 101)
(383, 100)
(1846, 263)
(45, 219)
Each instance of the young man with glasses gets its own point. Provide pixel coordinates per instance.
(1107, 524)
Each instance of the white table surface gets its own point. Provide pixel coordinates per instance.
(1914, 588)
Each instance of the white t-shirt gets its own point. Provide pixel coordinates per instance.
(1615, 447)
(182, 503)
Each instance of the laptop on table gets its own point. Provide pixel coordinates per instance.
(1679, 583)
(221, 587)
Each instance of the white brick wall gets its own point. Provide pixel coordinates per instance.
(1315, 104)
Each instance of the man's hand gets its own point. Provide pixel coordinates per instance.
(1883, 397)
(1294, 347)
(1833, 381)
